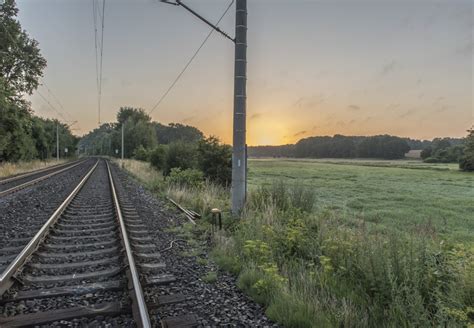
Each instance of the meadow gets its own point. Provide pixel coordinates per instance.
(406, 194)
(341, 243)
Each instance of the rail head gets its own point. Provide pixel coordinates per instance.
(143, 316)
(6, 276)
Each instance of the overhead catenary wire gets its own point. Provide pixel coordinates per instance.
(94, 15)
(51, 105)
(15, 43)
(98, 16)
(101, 54)
(157, 104)
(43, 83)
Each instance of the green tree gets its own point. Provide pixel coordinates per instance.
(467, 160)
(141, 154)
(425, 153)
(181, 155)
(103, 140)
(177, 132)
(138, 130)
(21, 64)
(215, 160)
(158, 157)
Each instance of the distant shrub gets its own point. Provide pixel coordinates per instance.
(189, 178)
(466, 162)
(431, 160)
(180, 155)
(215, 160)
(425, 153)
(141, 154)
(157, 157)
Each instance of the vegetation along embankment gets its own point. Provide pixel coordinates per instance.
(323, 243)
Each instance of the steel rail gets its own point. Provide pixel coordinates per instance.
(6, 277)
(34, 181)
(27, 174)
(144, 319)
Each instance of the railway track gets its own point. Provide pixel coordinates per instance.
(86, 265)
(18, 182)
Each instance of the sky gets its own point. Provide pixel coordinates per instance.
(315, 67)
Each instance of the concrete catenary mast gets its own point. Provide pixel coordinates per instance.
(239, 153)
(239, 146)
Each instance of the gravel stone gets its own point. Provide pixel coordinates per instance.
(217, 304)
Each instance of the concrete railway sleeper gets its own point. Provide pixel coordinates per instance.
(78, 271)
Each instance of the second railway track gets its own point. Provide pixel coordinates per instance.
(18, 182)
(85, 266)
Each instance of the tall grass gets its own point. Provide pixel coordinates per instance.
(8, 168)
(201, 199)
(324, 269)
(144, 172)
(321, 268)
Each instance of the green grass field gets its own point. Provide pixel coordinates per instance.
(408, 195)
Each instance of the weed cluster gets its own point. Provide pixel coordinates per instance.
(312, 267)
(317, 270)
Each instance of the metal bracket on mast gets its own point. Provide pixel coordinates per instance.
(217, 29)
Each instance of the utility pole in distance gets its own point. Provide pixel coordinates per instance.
(122, 141)
(239, 153)
(57, 141)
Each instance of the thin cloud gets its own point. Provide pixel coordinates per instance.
(441, 109)
(188, 119)
(309, 102)
(393, 106)
(255, 116)
(353, 107)
(407, 113)
(388, 68)
(300, 133)
(465, 49)
(298, 102)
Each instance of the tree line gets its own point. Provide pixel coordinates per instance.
(24, 136)
(338, 146)
(175, 149)
(438, 150)
(140, 133)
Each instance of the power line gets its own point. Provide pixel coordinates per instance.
(51, 105)
(189, 61)
(95, 44)
(99, 48)
(101, 54)
(43, 83)
(15, 43)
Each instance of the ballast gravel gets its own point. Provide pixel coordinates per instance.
(22, 213)
(215, 304)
